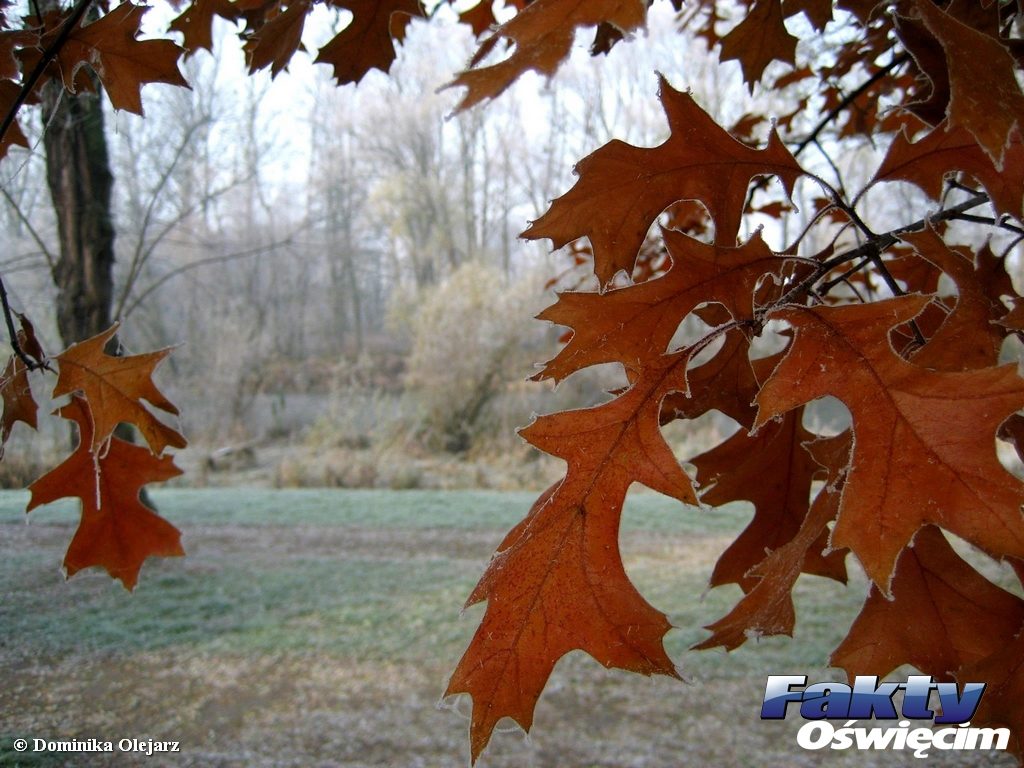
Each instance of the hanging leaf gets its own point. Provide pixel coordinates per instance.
(116, 531)
(115, 388)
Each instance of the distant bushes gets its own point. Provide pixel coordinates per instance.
(470, 336)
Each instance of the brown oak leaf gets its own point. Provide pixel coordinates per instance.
(931, 89)
(767, 607)
(985, 97)
(124, 64)
(969, 337)
(928, 161)
(622, 189)
(275, 42)
(1003, 702)
(10, 42)
(939, 603)
(773, 470)
(758, 40)
(366, 43)
(724, 383)
(115, 388)
(15, 136)
(29, 341)
(116, 531)
(923, 440)
(557, 582)
(542, 34)
(818, 12)
(195, 23)
(18, 403)
(479, 18)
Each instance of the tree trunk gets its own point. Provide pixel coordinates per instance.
(80, 181)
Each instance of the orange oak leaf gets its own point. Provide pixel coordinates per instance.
(767, 607)
(276, 41)
(124, 64)
(923, 440)
(542, 33)
(366, 43)
(557, 582)
(622, 189)
(116, 532)
(633, 324)
(758, 40)
(18, 403)
(195, 23)
(928, 161)
(115, 388)
(946, 602)
(985, 97)
(773, 470)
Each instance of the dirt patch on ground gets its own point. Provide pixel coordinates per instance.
(283, 710)
(278, 543)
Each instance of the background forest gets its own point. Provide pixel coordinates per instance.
(340, 267)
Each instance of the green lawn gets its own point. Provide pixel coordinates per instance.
(318, 627)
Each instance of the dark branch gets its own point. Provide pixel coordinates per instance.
(12, 333)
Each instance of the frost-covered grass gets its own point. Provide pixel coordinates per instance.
(479, 510)
(318, 627)
(377, 574)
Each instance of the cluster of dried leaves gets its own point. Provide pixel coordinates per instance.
(116, 531)
(868, 319)
(867, 323)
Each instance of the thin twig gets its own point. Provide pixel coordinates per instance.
(869, 252)
(990, 221)
(1011, 246)
(28, 225)
(832, 164)
(847, 101)
(12, 332)
(887, 239)
(825, 287)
